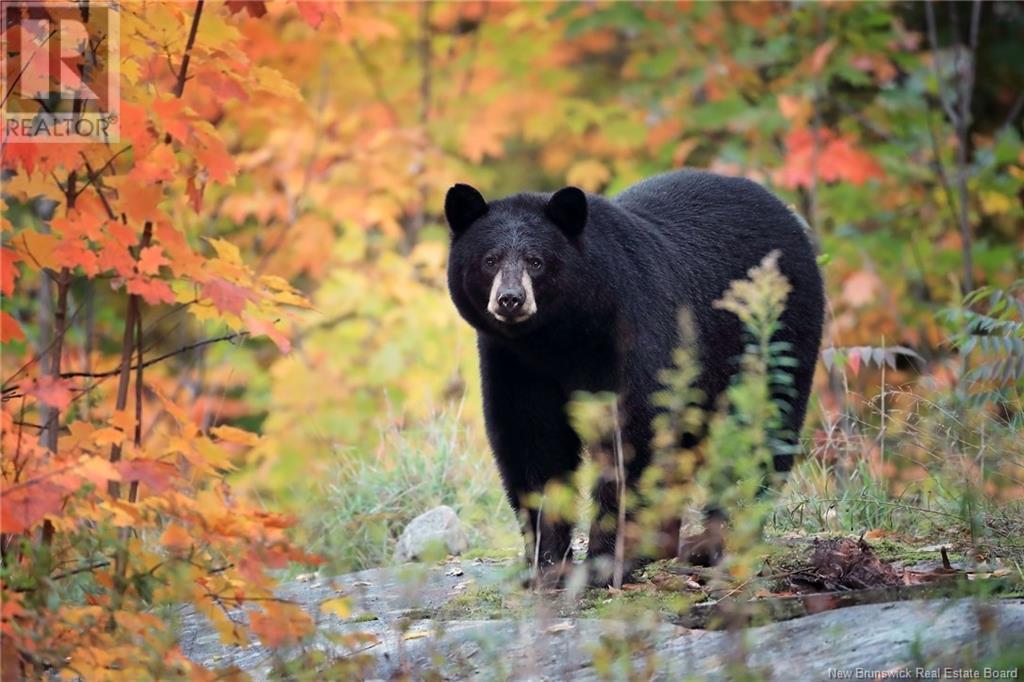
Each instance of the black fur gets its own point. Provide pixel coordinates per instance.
(612, 276)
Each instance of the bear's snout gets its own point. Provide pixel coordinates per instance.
(510, 301)
(511, 297)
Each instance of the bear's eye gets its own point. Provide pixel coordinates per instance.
(534, 263)
(490, 261)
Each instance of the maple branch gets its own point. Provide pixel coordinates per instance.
(127, 348)
(94, 176)
(133, 490)
(51, 415)
(7, 387)
(67, 574)
(134, 305)
(153, 361)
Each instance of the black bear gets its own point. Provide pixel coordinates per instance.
(575, 292)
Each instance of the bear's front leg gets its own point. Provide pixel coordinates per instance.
(534, 447)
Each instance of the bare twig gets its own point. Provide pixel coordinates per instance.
(620, 481)
(160, 358)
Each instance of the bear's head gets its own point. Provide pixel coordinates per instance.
(512, 261)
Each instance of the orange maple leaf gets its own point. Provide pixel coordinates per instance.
(153, 291)
(214, 157)
(176, 539)
(151, 259)
(74, 253)
(140, 202)
(173, 118)
(160, 164)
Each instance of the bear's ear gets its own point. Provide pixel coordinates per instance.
(463, 205)
(567, 208)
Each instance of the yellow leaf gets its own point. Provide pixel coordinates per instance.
(124, 514)
(122, 420)
(36, 249)
(589, 175)
(108, 436)
(214, 31)
(273, 82)
(213, 454)
(29, 186)
(226, 251)
(996, 202)
(187, 426)
(339, 606)
(98, 470)
(417, 634)
(233, 435)
(81, 434)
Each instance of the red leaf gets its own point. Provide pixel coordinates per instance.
(854, 362)
(820, 56)
(838, 160)
(255, 8)
(263, 327)
(227, 297)
(842, 161)
(314, 12)
(25, 506)
(51, 392)
(10, 330)
(8, 272)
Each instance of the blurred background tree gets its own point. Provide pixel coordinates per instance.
(314, 142)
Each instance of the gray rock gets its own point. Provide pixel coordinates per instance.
(439, 526)
(544, 639)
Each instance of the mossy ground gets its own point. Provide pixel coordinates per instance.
(667, 588)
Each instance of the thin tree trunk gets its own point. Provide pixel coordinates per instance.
(419, 215)
(958, 112)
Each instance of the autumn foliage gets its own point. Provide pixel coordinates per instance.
(201, 318)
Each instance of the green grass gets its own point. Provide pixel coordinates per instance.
(370, 497)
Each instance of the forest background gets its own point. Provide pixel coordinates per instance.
(228, 347)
